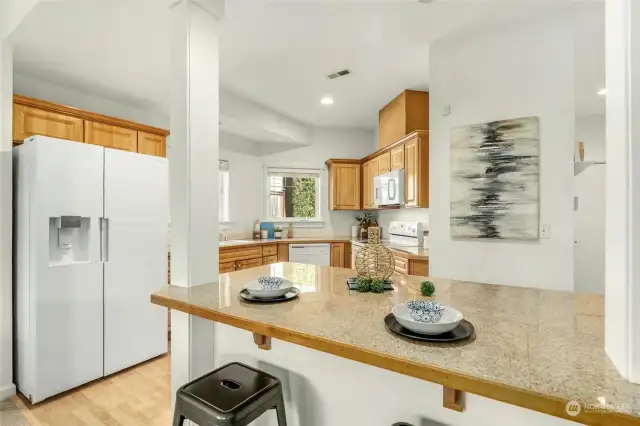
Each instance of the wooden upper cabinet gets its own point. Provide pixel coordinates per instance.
(407, 113)
(416, 171)
(37, 117)
(397, 158)
(152, 144)
(29, 121)
(110, 136)
(369, 172)
(384, 163)
(344, 184)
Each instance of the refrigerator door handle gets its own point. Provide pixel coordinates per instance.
(104, 239)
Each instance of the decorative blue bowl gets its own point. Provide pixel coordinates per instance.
(425, 316)
(425, 305)
(270, 283)
(428, 311)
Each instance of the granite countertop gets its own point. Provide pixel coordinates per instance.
(533, 348)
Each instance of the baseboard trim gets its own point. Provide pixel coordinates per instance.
(7, 391)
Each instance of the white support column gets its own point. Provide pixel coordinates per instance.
(622, 291)
(7, 388)
(193, 171)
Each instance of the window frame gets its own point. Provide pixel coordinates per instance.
(266, 192)
(224, 204)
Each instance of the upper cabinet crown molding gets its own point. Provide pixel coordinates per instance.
(86, 115)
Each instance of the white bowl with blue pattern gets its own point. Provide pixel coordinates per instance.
(269, 287)
(424, 321)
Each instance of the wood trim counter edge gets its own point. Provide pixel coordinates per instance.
(92, 116)
(524, 398)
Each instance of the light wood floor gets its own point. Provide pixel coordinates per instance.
(139, 396)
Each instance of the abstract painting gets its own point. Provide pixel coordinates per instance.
(494, 180)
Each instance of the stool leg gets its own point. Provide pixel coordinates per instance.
(280, 411)
(178, 420)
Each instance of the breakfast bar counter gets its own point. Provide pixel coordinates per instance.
(532, 348)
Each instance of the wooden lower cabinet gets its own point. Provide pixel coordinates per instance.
(227, 267)
(249, 263)
(337, 255)
(268, 260)
(406, 266)
(239, 258)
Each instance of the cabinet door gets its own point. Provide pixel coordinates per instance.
(29, 121)
(366, 197)
(397, 158)
(227, 267)
(401, 265)
(411, 171)
(152, 144)
(246, 264)
(384, 163)
(346, 186)
(110, 136)
(337, 255)
(268, 260)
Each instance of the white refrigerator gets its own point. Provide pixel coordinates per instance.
(91, 238)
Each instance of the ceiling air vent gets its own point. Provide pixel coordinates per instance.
(340, 73)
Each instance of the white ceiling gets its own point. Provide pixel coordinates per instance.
(276, 53)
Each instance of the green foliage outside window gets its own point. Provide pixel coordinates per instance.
(304, 197)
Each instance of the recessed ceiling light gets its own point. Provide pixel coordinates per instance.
(602, 92)
(327, 100)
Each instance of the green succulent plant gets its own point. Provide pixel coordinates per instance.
(363, 285)
(377, 286)
(427, 288)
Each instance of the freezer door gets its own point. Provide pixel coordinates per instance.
(60, 291)
(135, 264)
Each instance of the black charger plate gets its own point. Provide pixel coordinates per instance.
(248, 297)
(463, 331)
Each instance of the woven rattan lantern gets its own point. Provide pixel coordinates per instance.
(373, 260)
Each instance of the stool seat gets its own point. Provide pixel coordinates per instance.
(234, 394)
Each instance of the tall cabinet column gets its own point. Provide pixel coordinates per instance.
(193, 175)
(622, 241)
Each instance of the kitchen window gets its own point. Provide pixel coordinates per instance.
(293, 195)
(223, 183)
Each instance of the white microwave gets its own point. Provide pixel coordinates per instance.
(389, 188)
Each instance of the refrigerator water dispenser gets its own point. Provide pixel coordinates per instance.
(68, 240)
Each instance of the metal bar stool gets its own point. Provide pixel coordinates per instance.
(232, 395)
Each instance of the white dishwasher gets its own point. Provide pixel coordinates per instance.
(314, 254)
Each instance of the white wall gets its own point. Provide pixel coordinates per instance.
(27, 86)
(589, 254)
(523, 69)
(245, 181)
(324, 144)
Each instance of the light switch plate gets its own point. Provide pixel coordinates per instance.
(545, 230)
